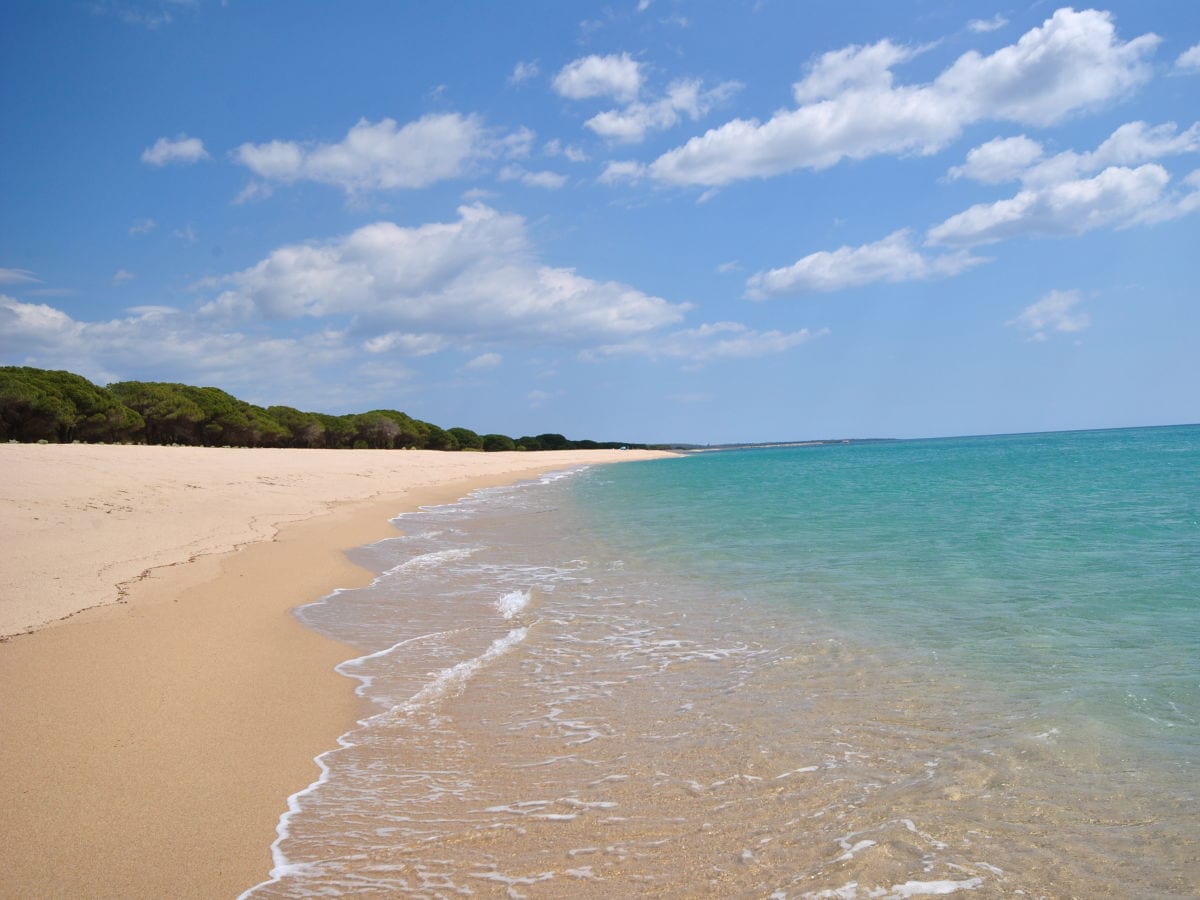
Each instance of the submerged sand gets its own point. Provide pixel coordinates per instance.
(149, 744)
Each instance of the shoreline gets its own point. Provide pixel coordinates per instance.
(159, 737)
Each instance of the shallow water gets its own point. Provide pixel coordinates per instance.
(866, 671)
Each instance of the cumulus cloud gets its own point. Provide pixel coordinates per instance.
(616, 76)
(851, 108)
(473, 277)
(999, 160)
(383, 155)
(1065, 194)
(893, 259)
(854, 68)
(1054, 313)
(182, 149)
(358, 307)
(1022, 159)
(1117, 197)
(1189, 59)
(684, 97)
(1116, 185)
(621, 78)
(156, 341)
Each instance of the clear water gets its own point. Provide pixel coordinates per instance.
(880, 670)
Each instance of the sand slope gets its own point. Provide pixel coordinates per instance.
(78, 520)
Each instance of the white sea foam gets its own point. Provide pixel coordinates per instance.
(853, 891)
(927, 888)
(799, 771)
(429, 560)
(454, 679)
(512, 603)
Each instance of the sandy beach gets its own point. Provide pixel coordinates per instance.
(158, 703)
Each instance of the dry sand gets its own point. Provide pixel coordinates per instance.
(149, 745)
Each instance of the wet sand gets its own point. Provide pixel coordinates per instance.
(150, 744)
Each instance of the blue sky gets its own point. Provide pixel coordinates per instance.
(662, 220)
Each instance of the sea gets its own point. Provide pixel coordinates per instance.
(965, 666)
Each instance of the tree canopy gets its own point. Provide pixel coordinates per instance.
(61, 407)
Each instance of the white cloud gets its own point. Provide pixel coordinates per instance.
(254, 190)
(123, 275)
(983, 26)
(570, 151)
(514, 145)
(1137, 142)
(26, 326)
(545, 179)
(524, 71)
(1022, 159)
(17, 276)
(383, 156)
(726, 267)
(850, 107)
(1189, 59)
(893, 259)
(474, 277)
(705, 343)
(158, 342)
(1052, 314)
(682, 98)
(622, 171)
(405, 344)
(999, 160)
(182, 149)
(1117, 197)
(359, 307)
(142, 226)
(619, 77)
(471, 195)
(853, 68)
(1070, 192)
(485, 361)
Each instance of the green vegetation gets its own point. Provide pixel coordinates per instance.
(56, 406)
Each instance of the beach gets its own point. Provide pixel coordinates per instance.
(158, 701)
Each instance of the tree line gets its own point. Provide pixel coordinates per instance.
(58, 406)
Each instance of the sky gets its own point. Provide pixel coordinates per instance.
(643, 220)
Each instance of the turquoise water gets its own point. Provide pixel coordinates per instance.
(1063, 567)
(892, 670)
